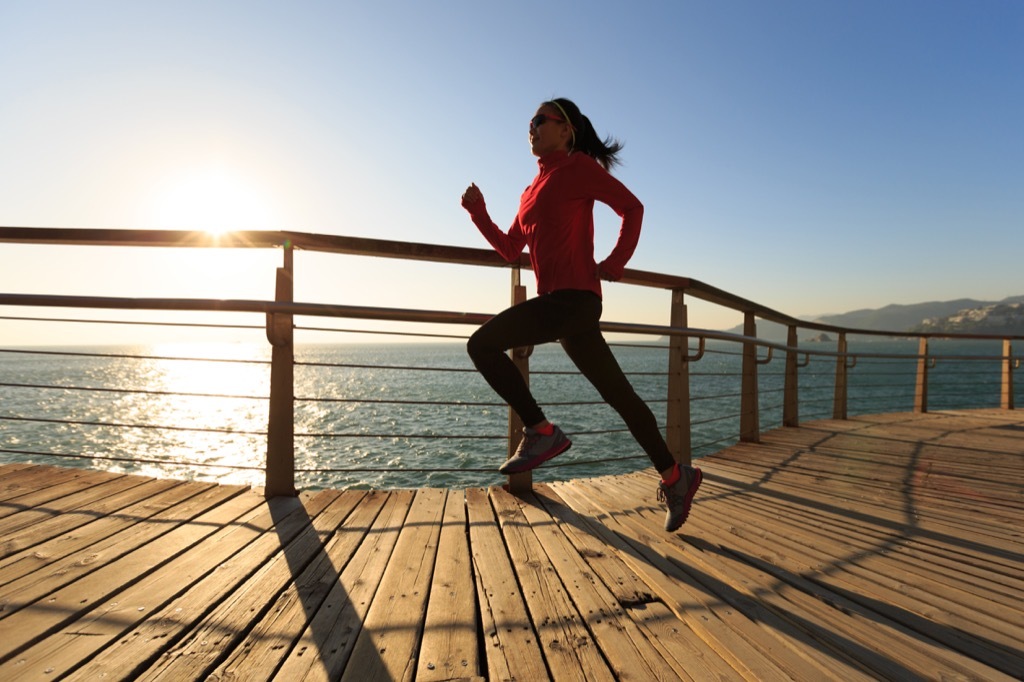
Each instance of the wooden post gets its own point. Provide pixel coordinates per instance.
(791, 389)
(921, 385)
(750, 419)
(280, 474)
(839, 398)
(518, 483)
(677, 424)
(1006, 401)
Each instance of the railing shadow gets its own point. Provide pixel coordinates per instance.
(817, 635)
(720, 593)
(906, 487)
(320, 567)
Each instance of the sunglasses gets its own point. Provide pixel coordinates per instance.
(541, 119)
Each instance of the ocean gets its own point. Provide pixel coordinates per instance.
(408, 415)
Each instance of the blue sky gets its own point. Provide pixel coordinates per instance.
(816, 156)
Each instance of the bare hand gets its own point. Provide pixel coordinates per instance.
(601, 273)
(472, 195)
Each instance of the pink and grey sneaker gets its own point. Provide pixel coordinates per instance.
(535, 449)
(679, 496)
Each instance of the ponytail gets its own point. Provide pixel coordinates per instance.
(585, 138)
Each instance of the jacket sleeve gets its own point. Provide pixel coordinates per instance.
(609, 190)
(509, 246)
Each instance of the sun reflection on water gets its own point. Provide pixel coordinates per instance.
(210, 400)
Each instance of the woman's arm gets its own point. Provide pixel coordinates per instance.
(510, 245)
(609, 190)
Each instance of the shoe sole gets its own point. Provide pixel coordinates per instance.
(691, 492)
(533, 463)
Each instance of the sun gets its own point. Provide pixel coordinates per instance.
(213, 199)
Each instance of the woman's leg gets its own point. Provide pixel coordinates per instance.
(591, 354)
(539, 320)
(678, 485)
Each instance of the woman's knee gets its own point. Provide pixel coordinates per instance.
(479, 347)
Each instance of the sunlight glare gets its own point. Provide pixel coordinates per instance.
(214, 412)
(198, 376)
(212, 199)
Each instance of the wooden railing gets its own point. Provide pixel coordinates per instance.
(281, 313)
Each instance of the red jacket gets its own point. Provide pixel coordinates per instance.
(556, 220)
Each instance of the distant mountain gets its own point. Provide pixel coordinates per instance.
(961, 315)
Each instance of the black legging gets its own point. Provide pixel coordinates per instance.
(571, 317)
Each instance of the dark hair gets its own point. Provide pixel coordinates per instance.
(585, 138)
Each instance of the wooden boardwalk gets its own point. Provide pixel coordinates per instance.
(879, 547)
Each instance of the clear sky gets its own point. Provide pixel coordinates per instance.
(816, 156)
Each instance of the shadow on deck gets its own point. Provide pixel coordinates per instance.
(886, 547)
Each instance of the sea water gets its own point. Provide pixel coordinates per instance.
(407, 414)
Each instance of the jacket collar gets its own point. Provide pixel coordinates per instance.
(553, 160)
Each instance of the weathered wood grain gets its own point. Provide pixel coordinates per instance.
(878, 547)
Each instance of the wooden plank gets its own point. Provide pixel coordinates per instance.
(850, 629)
(449, 649)
(32, 480)
(17, 478)
(673, 641)
(757, 595)
(690, 655)
(511, 645)
(275, 633)
(815, 540)
(777, 636)
(941, 563)
(131, 603)
(159, 498)
(629, 653)
(32, 587)
(870, 508)
(925, 532)
(8, 468)
(326, 644)
(569, 649)
(93, 595)
(841, 570)
(71, 496)
(884, 633)
(388, 645)
(935, 563)
(624, 583)
(44, 487)
(936, 473)
(36, 526)
(194, 630)
(880, 547)
(719, 627)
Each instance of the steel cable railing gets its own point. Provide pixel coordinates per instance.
(767, 377)
(135, 391)
(117, 425)
(537, 374)
(53, 358)
(726, 417)
(817, 389)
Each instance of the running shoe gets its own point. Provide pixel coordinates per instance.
(535, 449)
(679, 496)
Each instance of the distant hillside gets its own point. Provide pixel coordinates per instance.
(994, 318)
(961, 315)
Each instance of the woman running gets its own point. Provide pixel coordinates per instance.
(556, 221)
